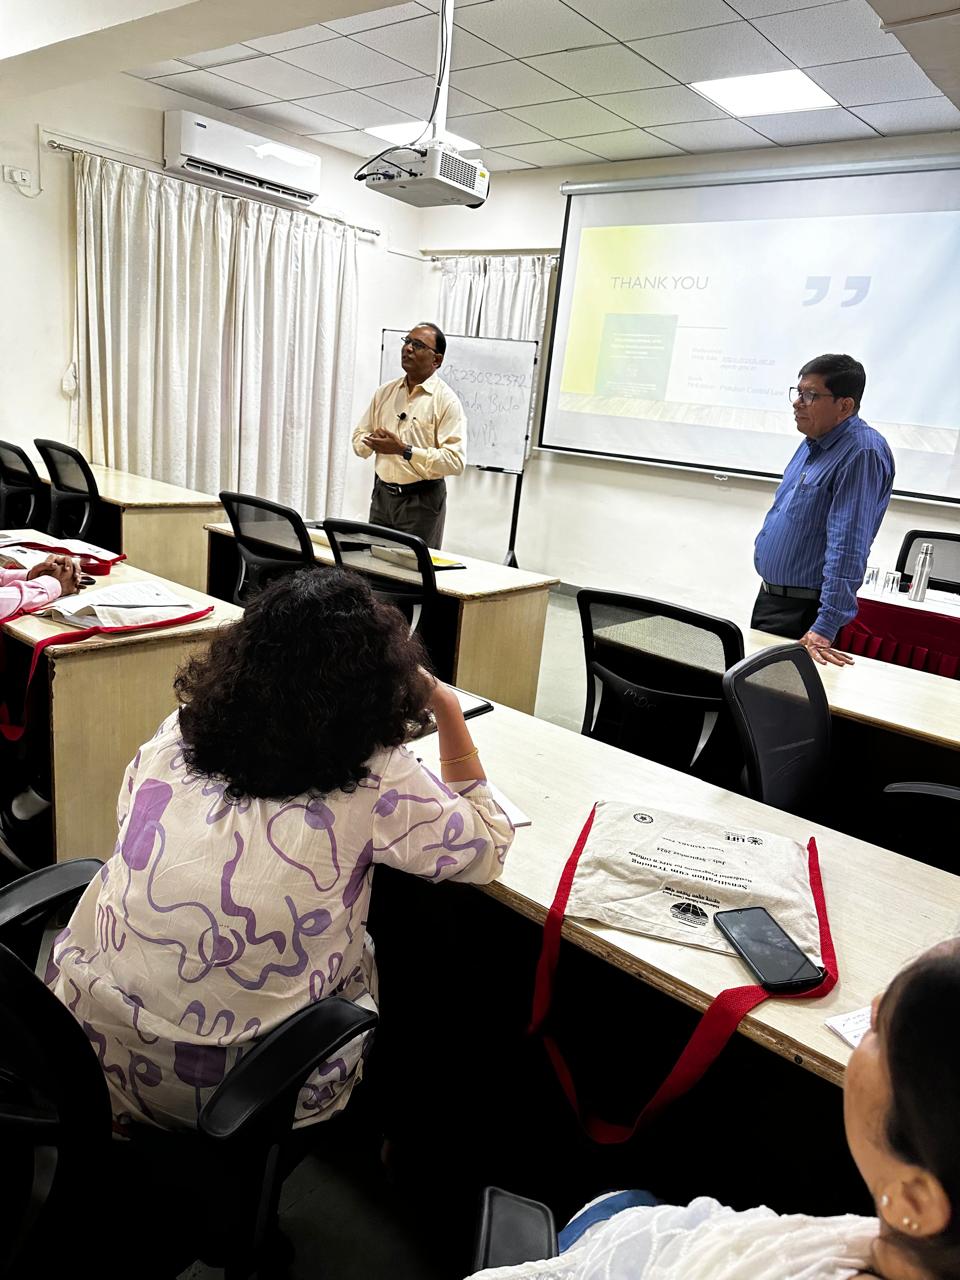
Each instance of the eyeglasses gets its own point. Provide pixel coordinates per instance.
(808, 397)
(415, 343)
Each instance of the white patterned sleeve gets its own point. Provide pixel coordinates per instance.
(434, 829)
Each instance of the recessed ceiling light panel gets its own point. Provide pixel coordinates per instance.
(765, 95)
(407, 134)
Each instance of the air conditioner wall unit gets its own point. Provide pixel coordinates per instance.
(243, 163)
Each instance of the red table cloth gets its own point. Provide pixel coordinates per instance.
(917, 638)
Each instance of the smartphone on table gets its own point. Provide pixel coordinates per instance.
(770, 953)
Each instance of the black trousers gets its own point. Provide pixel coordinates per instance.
(783, 616)
(421, 513)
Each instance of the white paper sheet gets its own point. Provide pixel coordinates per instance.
(122, 605)
(850, 1027)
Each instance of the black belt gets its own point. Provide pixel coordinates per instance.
(792, 593)
(401, 490)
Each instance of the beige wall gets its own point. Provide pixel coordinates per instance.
(663, 532)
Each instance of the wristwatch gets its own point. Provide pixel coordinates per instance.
(407, 452)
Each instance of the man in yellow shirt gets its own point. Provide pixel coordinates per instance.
(415, 426)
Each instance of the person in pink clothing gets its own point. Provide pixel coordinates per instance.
(25, 590)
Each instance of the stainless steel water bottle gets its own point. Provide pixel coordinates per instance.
(921, 572)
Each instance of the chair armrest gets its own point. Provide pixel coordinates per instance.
(512, 1230)
(268, 1078)
(941, 789)
(42, 892)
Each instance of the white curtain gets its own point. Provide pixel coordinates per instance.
(495, 297)
(214, 337)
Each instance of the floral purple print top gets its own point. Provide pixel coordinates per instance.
(213, 922)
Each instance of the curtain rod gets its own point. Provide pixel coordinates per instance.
(438, 255)
(56, 145)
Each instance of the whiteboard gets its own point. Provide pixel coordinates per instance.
(494, 379)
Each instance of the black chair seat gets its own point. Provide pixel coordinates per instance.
(654, 688)
(271, 540)
(74, 495)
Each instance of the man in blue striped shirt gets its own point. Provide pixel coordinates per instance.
(812, 550)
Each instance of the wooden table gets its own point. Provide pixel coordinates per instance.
(107, 695)
(884, 910)
(158, 526)
(489, 631)
(914, 703)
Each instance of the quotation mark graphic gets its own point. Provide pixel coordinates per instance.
(819, 286)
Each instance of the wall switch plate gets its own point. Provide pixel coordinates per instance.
(19, 177)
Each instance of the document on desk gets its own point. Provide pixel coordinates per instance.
(850, 1027)
(128, 604)
(70, 546)
(650, 871)
(14, 557)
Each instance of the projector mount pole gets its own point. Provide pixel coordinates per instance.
(438, 124)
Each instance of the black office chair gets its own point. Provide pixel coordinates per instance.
(945, 575)
(20, 487)
(512, 1230)
(654, 682)
(73, 490)
(782, 715)
(396, 565)
(172, 1197)
(271, 539)
(916, 820)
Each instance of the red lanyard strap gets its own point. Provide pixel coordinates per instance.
(14, 732)
(718, 1023)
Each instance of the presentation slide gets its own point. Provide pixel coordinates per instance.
(677, 341)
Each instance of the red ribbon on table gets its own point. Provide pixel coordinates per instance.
(717, 1024)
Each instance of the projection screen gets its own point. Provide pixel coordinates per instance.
(683, 315)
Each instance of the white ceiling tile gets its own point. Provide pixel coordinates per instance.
(496, 129)
(790, 128)
(759, 8)
(376, 18)
(630, 20)
(925, 115)
(676, 105)
(291, 39)
(839, 33)
(296, 118)
(533, 26)
(210, 88)
(576, 117)
(497, 163)
(461, 4)
(735, 49)
(152, 70)
(270, 75)
(711, 135)
(356, 109)
(629, 144)
(606, 69)
(354, 141)
(416, 98)
(415, 43)
(508, 84)
(551, 153)
(869, 80)
(216, 57)
(349, 63)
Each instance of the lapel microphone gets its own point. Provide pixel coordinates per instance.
(401, 417)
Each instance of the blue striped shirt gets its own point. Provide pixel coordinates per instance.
(824, 518)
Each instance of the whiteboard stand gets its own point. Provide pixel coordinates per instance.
(495, 380)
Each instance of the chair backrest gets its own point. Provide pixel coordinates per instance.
(20, 486)
(945, 575)
(654, 681)
(55, 1125)
(396, 565)
(781, 712)
(73, 489)
(271, 539)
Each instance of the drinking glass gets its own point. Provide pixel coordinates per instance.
(871, 579)
(891, 582)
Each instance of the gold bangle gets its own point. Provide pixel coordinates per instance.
(460, 759)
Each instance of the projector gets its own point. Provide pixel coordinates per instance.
(430, 176)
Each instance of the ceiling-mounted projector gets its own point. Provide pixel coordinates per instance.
(431, 175)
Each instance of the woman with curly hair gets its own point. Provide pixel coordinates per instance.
(250, 825)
